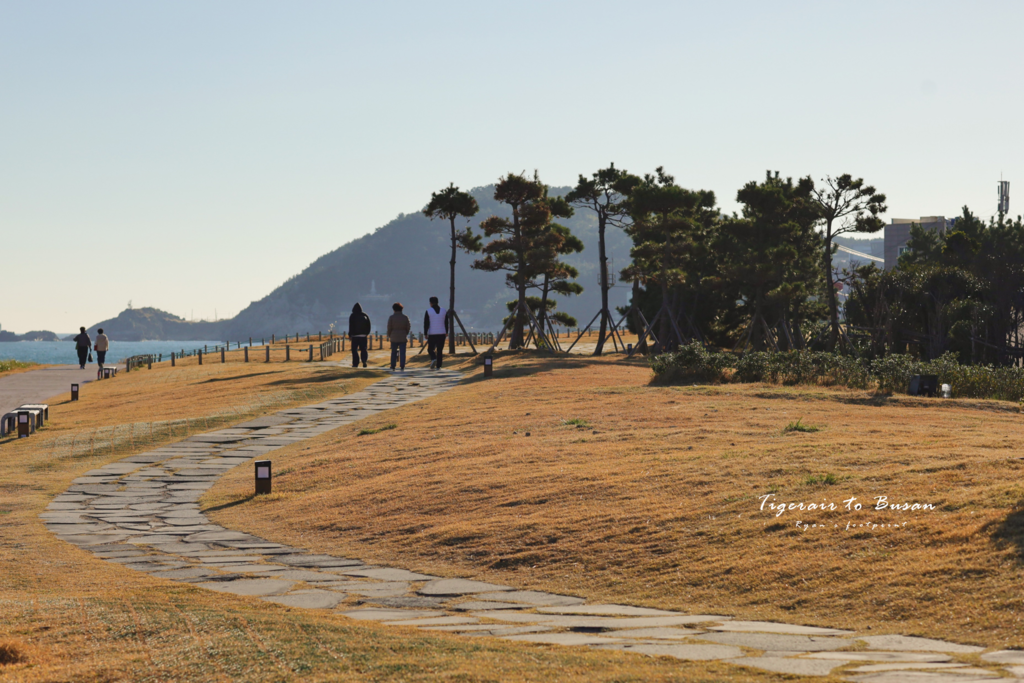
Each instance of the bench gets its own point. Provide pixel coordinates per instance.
(9, 422)
(38, 406)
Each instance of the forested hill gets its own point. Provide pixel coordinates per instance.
(407, 261)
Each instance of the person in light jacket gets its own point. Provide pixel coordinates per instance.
(82, 345)
(358, 329)
(399, 327)
(435, 328)
(101, 346)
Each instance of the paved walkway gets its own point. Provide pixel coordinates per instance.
(36, 386)
(142, 512)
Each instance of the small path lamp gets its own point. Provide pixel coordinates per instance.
(263, 476)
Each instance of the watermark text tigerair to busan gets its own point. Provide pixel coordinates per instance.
(849, 505)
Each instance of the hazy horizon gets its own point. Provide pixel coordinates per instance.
(193, 156)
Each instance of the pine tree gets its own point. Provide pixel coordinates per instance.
(769, 257)
(603, 193)
(668, 228)
(450, 204)
(846, 205)
(551, 274)
(518, 242)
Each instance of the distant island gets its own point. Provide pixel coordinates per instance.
(152, 324)
(35, 335)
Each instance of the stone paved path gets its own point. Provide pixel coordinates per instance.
(142, 512)
(35, 386)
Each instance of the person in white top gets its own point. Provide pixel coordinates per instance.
(101, 347)
(435, 328)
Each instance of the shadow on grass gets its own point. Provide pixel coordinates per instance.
(232, 504)
(529, 363)
(1010, 532)
(231, 379)
(329, 376)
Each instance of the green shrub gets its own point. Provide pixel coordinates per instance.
(888, 375)
(689, 363)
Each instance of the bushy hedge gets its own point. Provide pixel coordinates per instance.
(890, 374)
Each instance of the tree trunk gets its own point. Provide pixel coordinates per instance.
(543, 317)
(451, 297)
(638, 320)
(603, 260)
(517, 327)
(830, 291)
(666, 323)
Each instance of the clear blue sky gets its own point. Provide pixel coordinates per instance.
(193, 155)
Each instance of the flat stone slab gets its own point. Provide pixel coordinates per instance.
(774, 627)
(482, 605)
(560, 638)
(391, 614)
(778, 641)
(268, 569)
(262, 422)
(459, 587)
(154, 566)
(662, 633)
(797, 667)
(919, 644)
(614, 611)
(432, 621)
(531, 598)
(314, 599)
(378, 590)
(904, 666)
(388, 574)
(883, 656)
(240, 557)
(1004, 657)
(569, 621)
(256, 587)
(157, 539)
(694, 652)
(404, 602)
(303, 575)
(215, 536)
(96, 539)
(197, 520)
(924, 677)
(318, 561)
(190, 573)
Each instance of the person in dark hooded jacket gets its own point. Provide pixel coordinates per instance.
(358, 329)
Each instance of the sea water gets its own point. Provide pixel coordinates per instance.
(63, 352)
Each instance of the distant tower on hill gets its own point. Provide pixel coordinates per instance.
(373, 295)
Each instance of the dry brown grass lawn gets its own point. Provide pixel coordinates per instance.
(67, 616)
(576, 476)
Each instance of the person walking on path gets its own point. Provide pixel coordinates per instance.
(399, 327)
(435, 328)
(101, 346)
(82, 345)
(358, 329)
